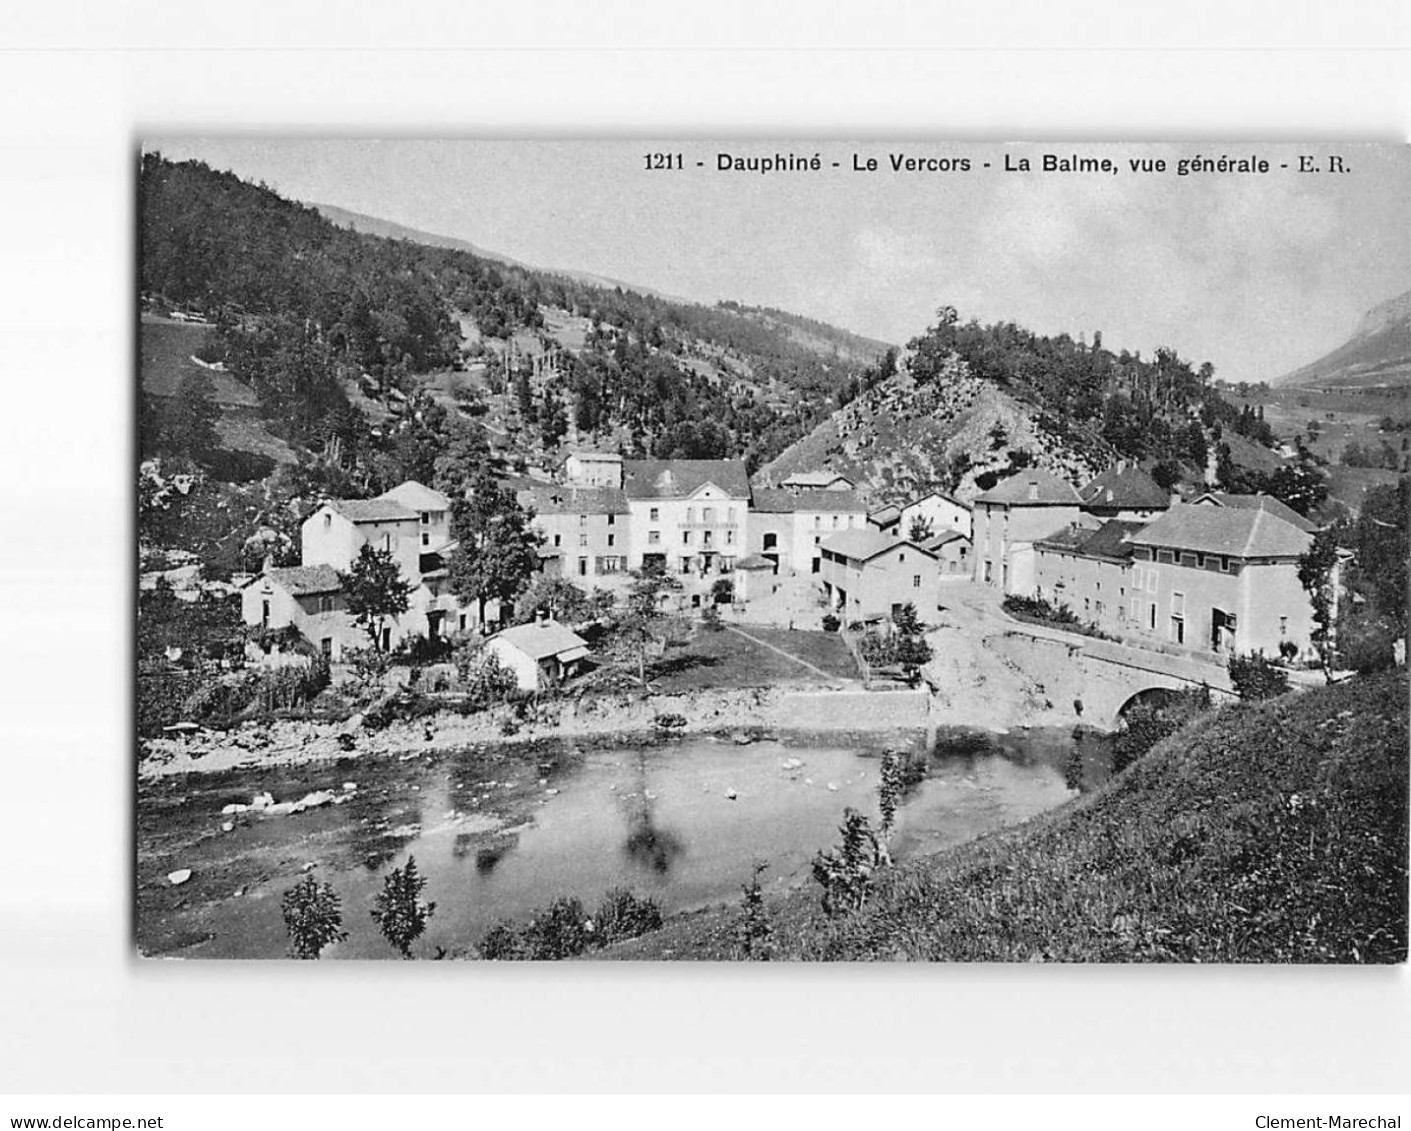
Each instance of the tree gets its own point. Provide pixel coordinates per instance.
(845, 873)
(922, 529)
(312, 917)
(558, 597)
(637, 626)
(497, 549)
(191, 420)
(1315, 574)
(1301, 486)
(375, 590)
(891, 785)
(398, 910)
(752, 929)
(906, 621)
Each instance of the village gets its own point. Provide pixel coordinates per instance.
(1201, 578)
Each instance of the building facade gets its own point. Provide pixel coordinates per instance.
(688, 517)
(1010, 518)
(586, 531)
(788, 527)
(867, 574)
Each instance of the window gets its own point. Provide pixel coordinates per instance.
(1152, 619)
(387, 542)
(425, 538)
(685, 537)
(612, 520)
(558, 539)
(612, 538)
(326, 647)
(325, 605)
(771, 541)
(654, 515)
(835, 522)
(1224, 564)
(989, 570)
(582, 567)
(690, 514)
(425, 517)
(707, 514)
(654, 537)
(1283, 626)
(1178, 604)
(685, 565)
(1151, 580)
(327, 520)
(818, 522)
(916, 581)
(901, 557)
(729, 537)
(582, 540)
(1200, 561)
(582, 520)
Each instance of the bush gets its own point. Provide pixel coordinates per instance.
(501, 943)
(723, 591)
(559, 931)
(831, 623)
(710, 618)
(1367, 643)
(669, 722)
(1254, 677)
(622, 915)
(312, 917)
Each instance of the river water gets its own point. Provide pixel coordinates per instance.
(681, 822)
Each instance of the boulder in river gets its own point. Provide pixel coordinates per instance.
(180, 876)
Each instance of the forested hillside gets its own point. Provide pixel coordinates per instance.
(307, 313)
(966, 404)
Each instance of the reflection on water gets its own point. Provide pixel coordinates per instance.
(682, 823)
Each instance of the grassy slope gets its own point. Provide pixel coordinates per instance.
(1271, 832)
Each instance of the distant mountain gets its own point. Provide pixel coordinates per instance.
(1377, 354)
(373, 226)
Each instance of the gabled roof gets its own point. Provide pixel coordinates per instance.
(1240, 532)
(865, 545)
(301, 581)
(1266, 503)
(944, 538)
(563, 499)
(414, 496)
(1110, 540)
(885, 516)
(541, 639)
(810, 479)
(1129, 487)
(682, 478)
(934, 495)
(372, 510)
(594, 457)
(1032, 489)
(776, 500)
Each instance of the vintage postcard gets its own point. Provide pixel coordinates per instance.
(771, 551)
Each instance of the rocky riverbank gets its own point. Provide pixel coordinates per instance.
(745, 712)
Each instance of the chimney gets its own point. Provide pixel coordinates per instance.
(543, 618)
(267, 564)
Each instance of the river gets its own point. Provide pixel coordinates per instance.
(682, 822)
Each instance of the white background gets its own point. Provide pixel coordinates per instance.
(78, 84)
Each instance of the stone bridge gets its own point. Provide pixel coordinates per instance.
(1107, 677)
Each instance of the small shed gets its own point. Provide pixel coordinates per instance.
(539, 653)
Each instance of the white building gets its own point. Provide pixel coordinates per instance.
(541, 653)
(689, 517)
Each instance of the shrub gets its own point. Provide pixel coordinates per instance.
(502, 943)
(845, 873)
(906, 620)
(669, 722)
(312, 916)
(1254, 677)
(710, 618)
(831, 623)
(623, 915)
(723, 591)
(1367, 643)
(398, 911)
(561, 930)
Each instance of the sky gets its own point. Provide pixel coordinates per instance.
(1256, 273)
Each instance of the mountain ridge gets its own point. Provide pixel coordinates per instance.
(1377, 354)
